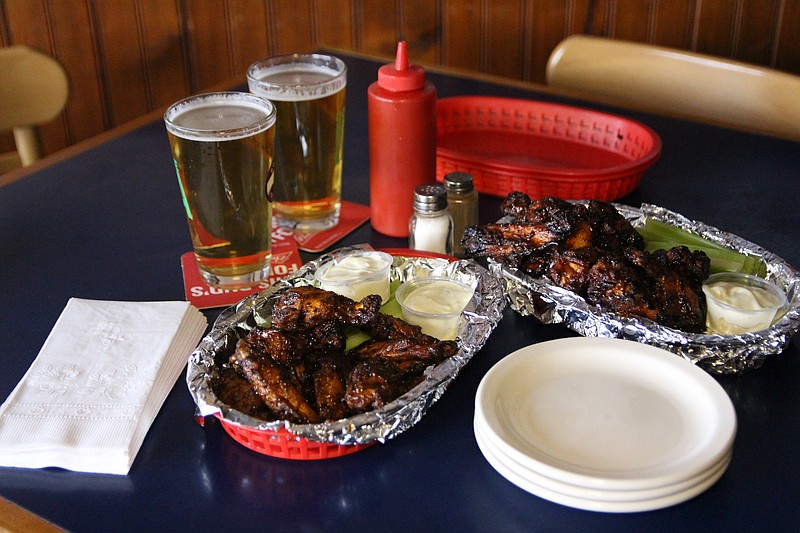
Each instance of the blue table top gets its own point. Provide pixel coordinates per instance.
(107, 223)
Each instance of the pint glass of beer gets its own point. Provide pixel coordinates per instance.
(308, 92)
(222, 144)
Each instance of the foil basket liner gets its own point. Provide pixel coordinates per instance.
(477, 322)
(717, 354)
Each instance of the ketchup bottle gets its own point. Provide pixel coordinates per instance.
(402, 142)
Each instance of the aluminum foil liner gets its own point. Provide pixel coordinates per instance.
(717, 354)
(477, 322)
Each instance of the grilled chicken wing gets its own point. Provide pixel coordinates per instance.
(407, 355)
(592, 250)
(275, 384)
(297, 369)
(303, 308)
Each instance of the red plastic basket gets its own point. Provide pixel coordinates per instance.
(285, 445)
(542, 149)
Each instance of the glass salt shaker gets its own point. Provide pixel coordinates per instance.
(462, 204)
(431, 227)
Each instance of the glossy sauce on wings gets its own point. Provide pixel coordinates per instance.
(297, 369)
(595, 252)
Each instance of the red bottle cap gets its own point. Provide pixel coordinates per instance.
(401, 76)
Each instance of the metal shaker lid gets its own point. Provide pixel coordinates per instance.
(431, 197)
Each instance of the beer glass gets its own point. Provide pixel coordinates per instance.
(308, 91)
(222, 144)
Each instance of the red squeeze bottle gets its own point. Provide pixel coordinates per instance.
(402, 142)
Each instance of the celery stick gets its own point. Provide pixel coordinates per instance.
(660, 235)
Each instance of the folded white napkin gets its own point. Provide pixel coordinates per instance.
(92, 393)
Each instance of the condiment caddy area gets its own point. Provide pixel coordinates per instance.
(454, 452)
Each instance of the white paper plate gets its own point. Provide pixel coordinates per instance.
(605, 413)
(574, 499)
(596, 496)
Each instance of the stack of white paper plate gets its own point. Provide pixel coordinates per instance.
(604, 424)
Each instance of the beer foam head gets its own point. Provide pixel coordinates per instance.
(219, 116)
(296, 77)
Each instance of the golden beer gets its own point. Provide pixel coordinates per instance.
(308, 91)
(222, 145)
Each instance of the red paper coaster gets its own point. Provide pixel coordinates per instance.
(351, 216)
(285, 260)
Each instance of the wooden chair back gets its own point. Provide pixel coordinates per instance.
(33, 90)
(678, 83)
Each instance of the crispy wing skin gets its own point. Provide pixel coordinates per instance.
(617, 285)
(595, 252)
(505, 240)
(371, 385)
(232, 389)
(389, 327)
(304, 308)
(329, 390)
(275, 384)
(570, 268)
(406, 355)
(297, 368)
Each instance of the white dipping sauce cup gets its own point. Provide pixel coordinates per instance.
(357, 275)
(435, 304)
(741, 303)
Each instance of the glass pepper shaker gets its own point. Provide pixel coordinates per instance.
(431, 227)
(462, 204)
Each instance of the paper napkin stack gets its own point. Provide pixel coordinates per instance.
(91, 394)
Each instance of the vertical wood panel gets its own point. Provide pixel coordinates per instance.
(504, 38)
(715, 27)
(249, 34)
(462, 34)
(207, 36)
(291, 20)
(166, 65)
(787, 53)
(548, 23)
(672, 26)
(74, 47)
(633, 20)
(379, 26)
(419, 25)
(334, 23)
(124, 79)
(756, 31)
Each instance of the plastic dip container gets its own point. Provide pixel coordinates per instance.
(357, 275)
(741, 303)
(435, 304)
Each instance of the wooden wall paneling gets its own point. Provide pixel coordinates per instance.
(205, 23)
(334, 24)
(547, 23)
(123, 68)
(293, 24)
(715, 27)
(166, 64)
(756, 31)
(249, 35)
(632, 20)
(74, 45)
(419, 26)
(378, 27)
(672, 24)
(504, 52)
(787, 51)
(28, 22)
(463, 34)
